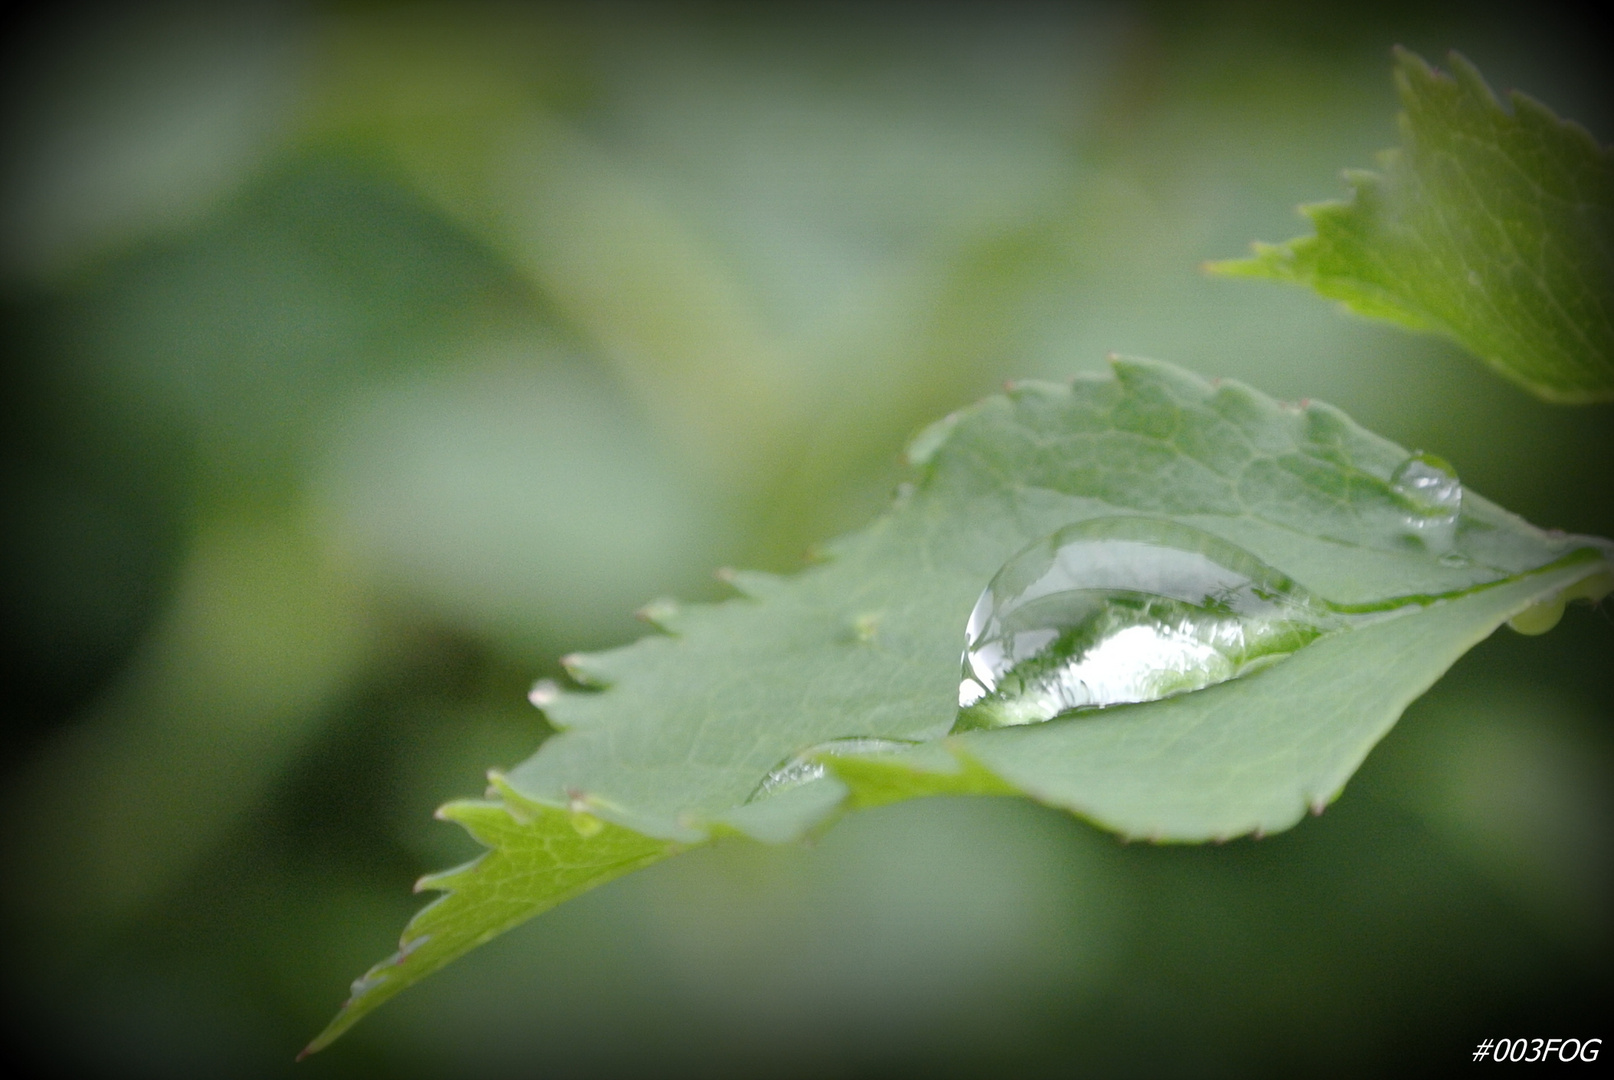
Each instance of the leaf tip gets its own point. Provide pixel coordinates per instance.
(922, 447)
(1407, 60)
(585, 670)
(544, 693)
(661, 614)
(1469, 78)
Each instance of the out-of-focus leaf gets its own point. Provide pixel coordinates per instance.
(234, 682)
(673, 747)
(135, 124)
(1489, 226)
(510, 488)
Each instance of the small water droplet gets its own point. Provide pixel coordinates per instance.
(1428, 488)
(1125, 609)
(1453, 559)
(1540, 617)
(802, 768)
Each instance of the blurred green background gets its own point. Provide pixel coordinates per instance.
(363, 359)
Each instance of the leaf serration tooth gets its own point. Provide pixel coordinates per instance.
(661, 613)
(585, 670)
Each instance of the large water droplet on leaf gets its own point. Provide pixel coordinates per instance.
(1429, 491)
(1125, 609)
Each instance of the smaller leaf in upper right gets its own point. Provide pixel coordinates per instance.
(1489, 225)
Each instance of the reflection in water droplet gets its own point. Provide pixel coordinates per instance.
(1125, 609)
(1429, 491)
(802, 769)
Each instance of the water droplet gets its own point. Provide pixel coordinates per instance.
(1540, 617)
(1125, 609)
(802, 769)
(1427, 487)
(1453, 559)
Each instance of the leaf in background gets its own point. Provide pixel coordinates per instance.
(686, 725)
(1491, 227)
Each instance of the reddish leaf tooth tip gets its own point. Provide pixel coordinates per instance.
(544, 693)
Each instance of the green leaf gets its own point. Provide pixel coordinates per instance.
(672, 748)
(1491, 226)
(538, 857)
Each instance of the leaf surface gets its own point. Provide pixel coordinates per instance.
(1490, 225)
(672, 745)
